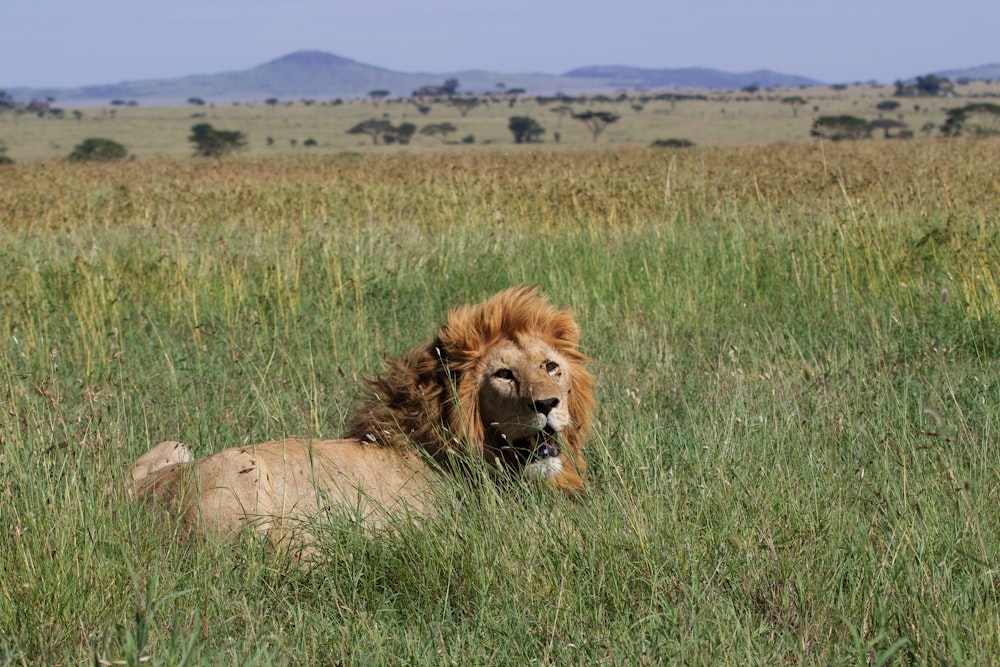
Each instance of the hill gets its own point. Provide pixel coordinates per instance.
(982, 73)
(317, 74)
(689, 77)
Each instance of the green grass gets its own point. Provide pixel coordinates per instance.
(796, 353)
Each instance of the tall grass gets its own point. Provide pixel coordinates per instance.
(796, 350)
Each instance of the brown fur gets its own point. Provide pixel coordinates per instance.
(422, 415)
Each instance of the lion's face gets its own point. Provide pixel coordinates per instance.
(523, 403)
(503, 381)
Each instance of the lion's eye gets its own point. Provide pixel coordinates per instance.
(504, 374)
(551, 367)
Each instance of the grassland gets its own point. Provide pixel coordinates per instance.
(715, 118)
(796, 349)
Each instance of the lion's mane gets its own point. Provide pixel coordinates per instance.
(430, 396)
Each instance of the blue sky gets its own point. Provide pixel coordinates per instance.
(80, 42)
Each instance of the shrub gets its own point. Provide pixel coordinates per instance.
(405, 132)
(525, 129)
(96, 149)
(672, 143)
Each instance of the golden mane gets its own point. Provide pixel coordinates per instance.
(429, 396)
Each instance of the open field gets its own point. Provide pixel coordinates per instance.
(722, 118)
(797, 351)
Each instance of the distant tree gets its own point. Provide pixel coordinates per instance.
(887, 105)
(888, 124)
(449, 87)
(637, 107)
(794, 101)
(428, 91)
(980, 119)
(930, 85)
(841, 128)
(378, 95)
(376, 129)
(210, 142)
(196, 101)
(752, 89)
(310, 143)
(423, 109)
(464, 104)
(562, 111)
(934, 85)
(97, 150)
(596, 121)
(38, 107)
(673, 98)
(525, 129)
(405, 132)
(271, 101)
(6, 101)
(4, 158)
(442, 129)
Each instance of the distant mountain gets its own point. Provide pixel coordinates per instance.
(317, 74)
(981, 73)
(689, 77)
(303, 74)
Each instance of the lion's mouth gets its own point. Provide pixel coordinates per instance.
(543, 444)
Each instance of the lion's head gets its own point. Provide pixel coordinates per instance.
(503, 381)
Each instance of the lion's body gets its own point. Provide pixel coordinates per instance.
(271, 485)
(503, 382)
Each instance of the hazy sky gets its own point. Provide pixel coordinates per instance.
(80, 42)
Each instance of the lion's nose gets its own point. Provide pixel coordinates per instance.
(545, 406)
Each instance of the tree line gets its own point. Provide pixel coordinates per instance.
(977, 119)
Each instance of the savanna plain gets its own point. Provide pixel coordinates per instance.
(796, 352)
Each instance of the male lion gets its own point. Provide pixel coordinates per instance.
(502, 382)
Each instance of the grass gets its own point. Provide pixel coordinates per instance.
(796, 352)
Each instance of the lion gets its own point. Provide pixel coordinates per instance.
(502, 384)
